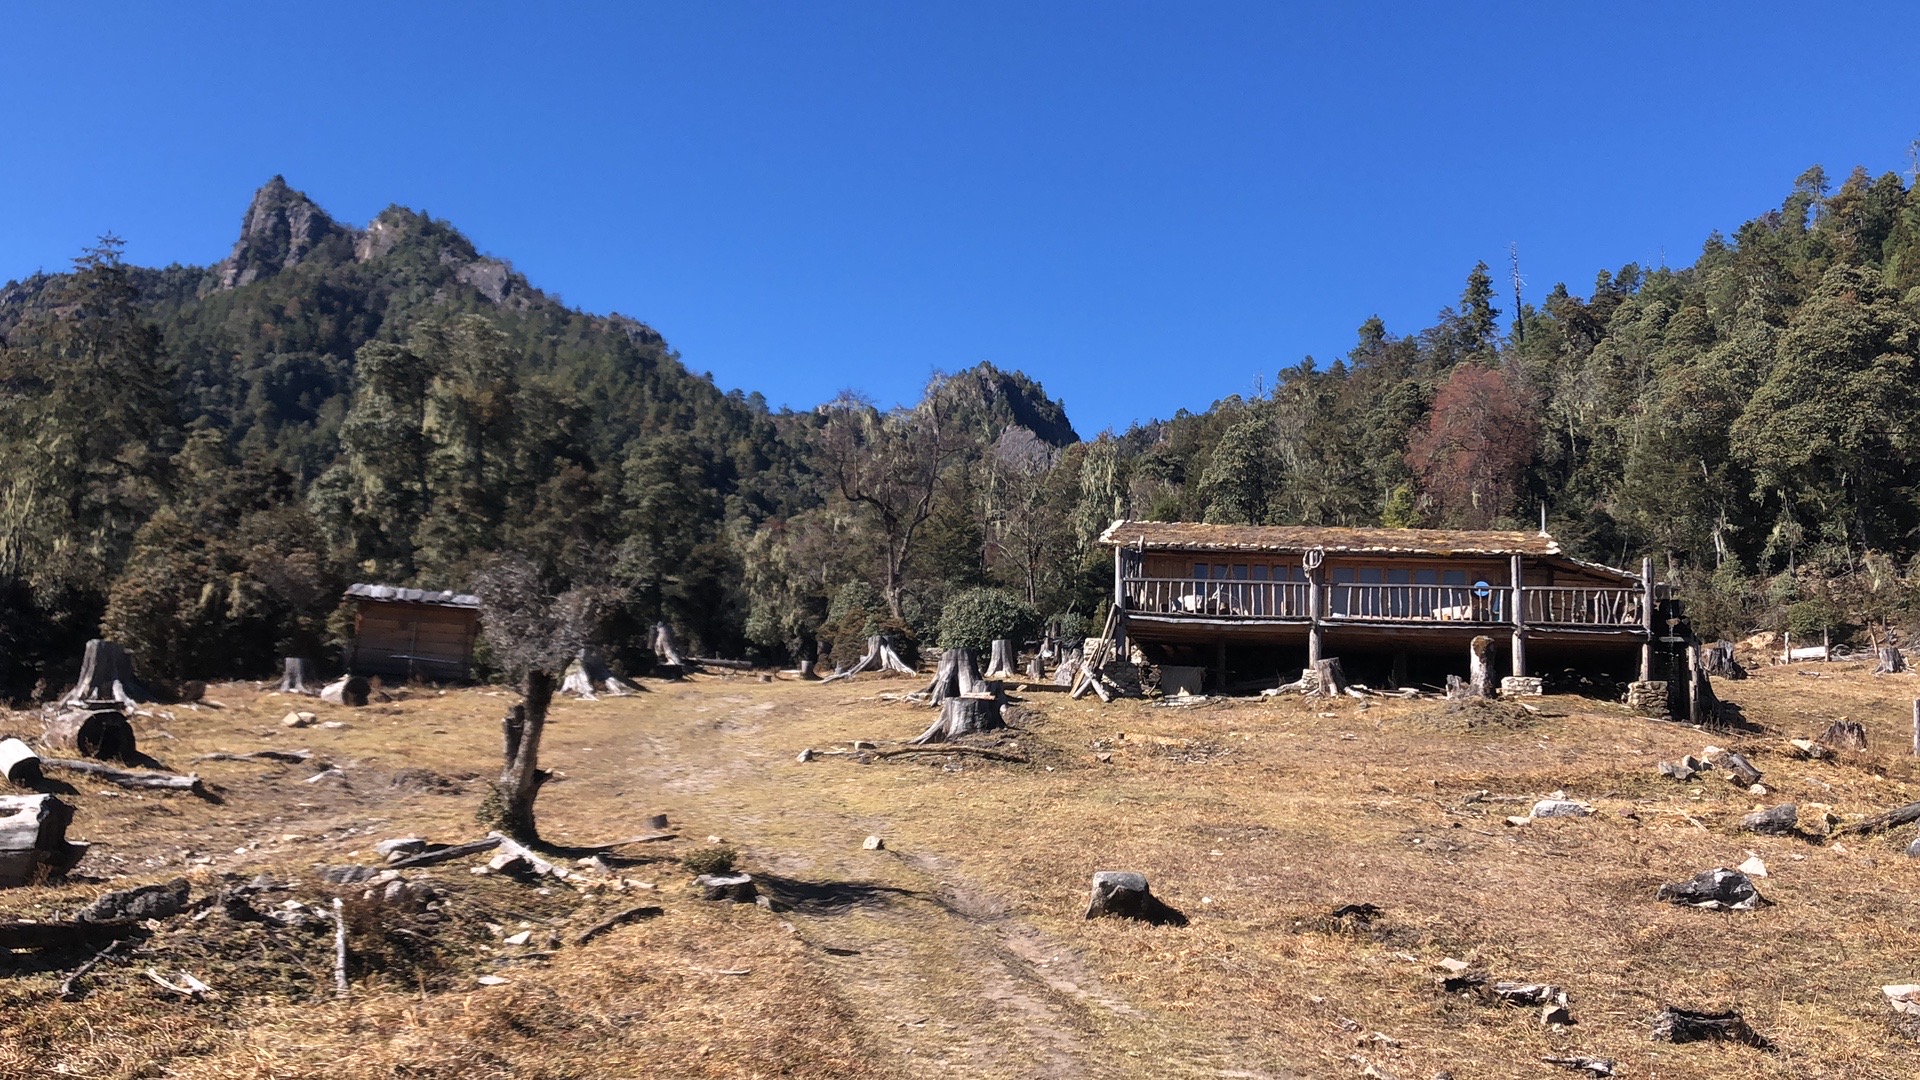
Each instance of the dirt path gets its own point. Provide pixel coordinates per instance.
(941, 972)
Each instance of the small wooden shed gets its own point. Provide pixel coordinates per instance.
(412, 633)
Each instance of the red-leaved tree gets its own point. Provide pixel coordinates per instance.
(1474, 447)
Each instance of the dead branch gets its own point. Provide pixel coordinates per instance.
(126, 778)
(69, 985)
(291, 757)
(447, 854)
(644, 911)
(952, 748)
(1882, 822)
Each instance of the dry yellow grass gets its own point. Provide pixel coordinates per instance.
(960, 951)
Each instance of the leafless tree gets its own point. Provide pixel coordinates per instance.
(533, 631)
(1024, 517)
(889, 465)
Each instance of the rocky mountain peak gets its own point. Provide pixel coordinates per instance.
(281, 228)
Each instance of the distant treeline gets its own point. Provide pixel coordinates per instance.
(197, 460)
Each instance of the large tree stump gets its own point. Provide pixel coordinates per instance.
(346, 690)
(1479, 682)
(1005, 662)
(1036, 669)
(667, 651)
(1330, 678)
(880, 657)
(100, 731)
(1124, 894)
(106, 674)
(33, 839)
(302, 676)
(968, 703)
(588, 676)
(1890, 661)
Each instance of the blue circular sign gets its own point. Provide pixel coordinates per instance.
(1481, 588)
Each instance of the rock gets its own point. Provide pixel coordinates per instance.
(491, 980)
(874, 843)
(804, 755)
(1124, 894)
(520, 938)
(298, 719)
(1592, 1066)
(735, 887)
(400, 846)
(1685, 769)
(1514, 686)
(1753, 867)
(407, 894)
(1551, 999)
(346, 690)
(657, 822)
(1807, 748)
(1719, 889)
(347, 875)
(1913, 849)
(144, 902)
(863, 744)
(1904, 998)
(1552, 808)
(1773, 821)
(1452, 966)
(1739, 770)
(1678, 1025)
(1648, 699)
(335, 725)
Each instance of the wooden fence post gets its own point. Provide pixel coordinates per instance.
(1916, 728)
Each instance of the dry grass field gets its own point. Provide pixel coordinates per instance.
(959, 950)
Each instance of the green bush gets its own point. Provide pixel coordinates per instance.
(974, 618)
(711, 860)
(1809, 619)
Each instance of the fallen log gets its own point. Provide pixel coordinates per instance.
(18, 763)
(346, 690)
(515, 856)
(97, 731)
(126, 778)
(730, 665)
(1905, 815)
(949, 748)
(33, 839)
(447, 854)
(644, 911)
(63, 934)
(290, 757)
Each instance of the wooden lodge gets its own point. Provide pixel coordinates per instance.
(1398, 606)
(412, 633)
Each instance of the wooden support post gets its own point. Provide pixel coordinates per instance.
(1916, 729)
(1120, 602)
(1647, 617)
(1399, 676)
(1519, 621)
(1220, 667)
(1314, 593)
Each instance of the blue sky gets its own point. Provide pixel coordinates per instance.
(1147, 207)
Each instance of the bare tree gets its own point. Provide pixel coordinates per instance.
(1026, 523)
(534, 631)
(889, 464)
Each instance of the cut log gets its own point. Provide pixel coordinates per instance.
(126, 778)
(446, 854)
(1479, 670)
(300, 677)
(806, 670)
(1004, 661)
(106, 675)
(18, 763)
(346, 690)
(1892, 819)
(730, 665)
(96, 731)
(1036, 669)
(33, 839)
(952, 748)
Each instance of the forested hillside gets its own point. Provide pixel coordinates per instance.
(198, 459)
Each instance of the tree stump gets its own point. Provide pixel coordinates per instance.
(106, 674)
(33, 839)
(967, 702)
(1330, 677)
(806, 670)
(667, 651)
(101, 731)
(18, 763)
(346, 690)
(1890, 661)
(1005, 662)
(301, 676)
(1123, 894)
(1844, 735)
(1479, 671)
(1779, 820)
(589, 676)
(1036, 669)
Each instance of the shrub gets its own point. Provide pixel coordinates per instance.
(711, 860)
(974, 618)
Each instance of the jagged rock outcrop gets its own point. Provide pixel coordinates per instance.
(281, 228)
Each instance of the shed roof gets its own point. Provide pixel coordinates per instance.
(395, 594)
(1287, 539)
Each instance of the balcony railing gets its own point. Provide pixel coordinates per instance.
(1541, 605)
(1246, 599)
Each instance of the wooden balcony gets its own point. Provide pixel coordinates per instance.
(1584, 607)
